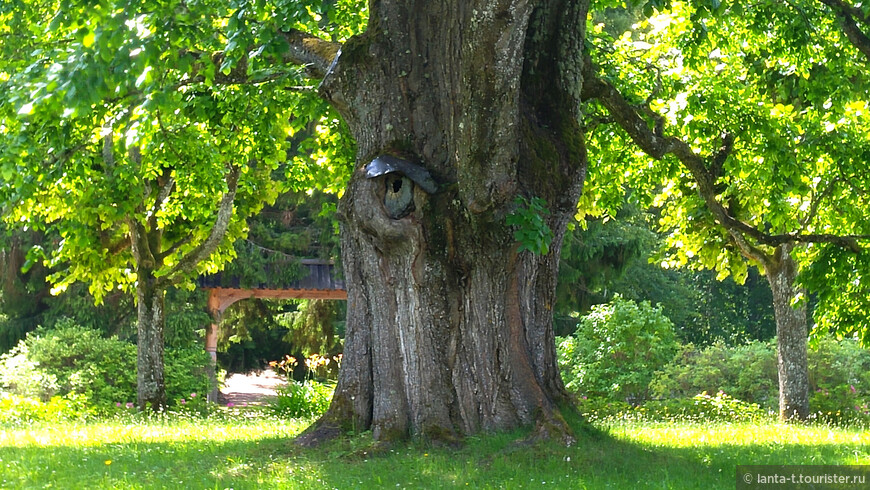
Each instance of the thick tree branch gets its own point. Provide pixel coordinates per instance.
(316, 54)
(207, 247)
(748, 250)
(142, 251)
(816, 200)
(850, 17)
(628, 117)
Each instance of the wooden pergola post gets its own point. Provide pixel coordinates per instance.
(318, 284)
(211, 334)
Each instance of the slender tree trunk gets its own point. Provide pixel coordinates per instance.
(791, 336)
(151, 389)
(449, 327)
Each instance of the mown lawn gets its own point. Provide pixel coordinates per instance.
(257, 452)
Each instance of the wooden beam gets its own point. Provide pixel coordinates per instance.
(221, 298)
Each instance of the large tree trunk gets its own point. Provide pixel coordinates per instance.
(449, 326)
(151, 390)
(791, 336)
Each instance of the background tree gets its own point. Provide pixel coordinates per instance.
(155, 153)
(763, 146)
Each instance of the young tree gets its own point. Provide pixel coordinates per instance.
(766, 113)
(123, 128)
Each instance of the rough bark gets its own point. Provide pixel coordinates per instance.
(151, 389)
(149, 253)
(791, 336)
(449, 327)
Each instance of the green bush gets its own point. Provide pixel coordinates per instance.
(701, 407)
(186, 375)
(616, 350)
(839, 376)
(75, 360)
(747, 372)
(302, 399)
(21, 376)
(19, 410)
(698, 408)
(84, 362)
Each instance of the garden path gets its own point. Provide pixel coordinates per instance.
(255, 388)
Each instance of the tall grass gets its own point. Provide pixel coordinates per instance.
(247, 449)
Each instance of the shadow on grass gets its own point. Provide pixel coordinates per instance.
(598, 460)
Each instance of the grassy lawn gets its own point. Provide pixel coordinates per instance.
(257, 452)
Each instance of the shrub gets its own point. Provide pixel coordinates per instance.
(702, 407)
(74, 360)
(302, 399)
(698, 408)
(21, 376)
(18, 410)
(616, 350)
(747, 372)
(185, 374)
(839, 376)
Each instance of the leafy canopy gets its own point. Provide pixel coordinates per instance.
(118, 115)
(772, 100)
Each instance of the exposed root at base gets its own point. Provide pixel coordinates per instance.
(317, 434)
(551, 427)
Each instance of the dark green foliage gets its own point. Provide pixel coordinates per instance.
(839, 379)
(616, 350)
(620, 257)
(747, 372)
(23, 294)
(71, 359)
(596, 257)
(249, 337)
(186, 318)
(314, 327)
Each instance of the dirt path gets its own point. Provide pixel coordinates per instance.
(250, 389)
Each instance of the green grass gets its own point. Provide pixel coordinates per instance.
(257, 452)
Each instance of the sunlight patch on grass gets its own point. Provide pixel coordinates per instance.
(258, 453)
(684, 435)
